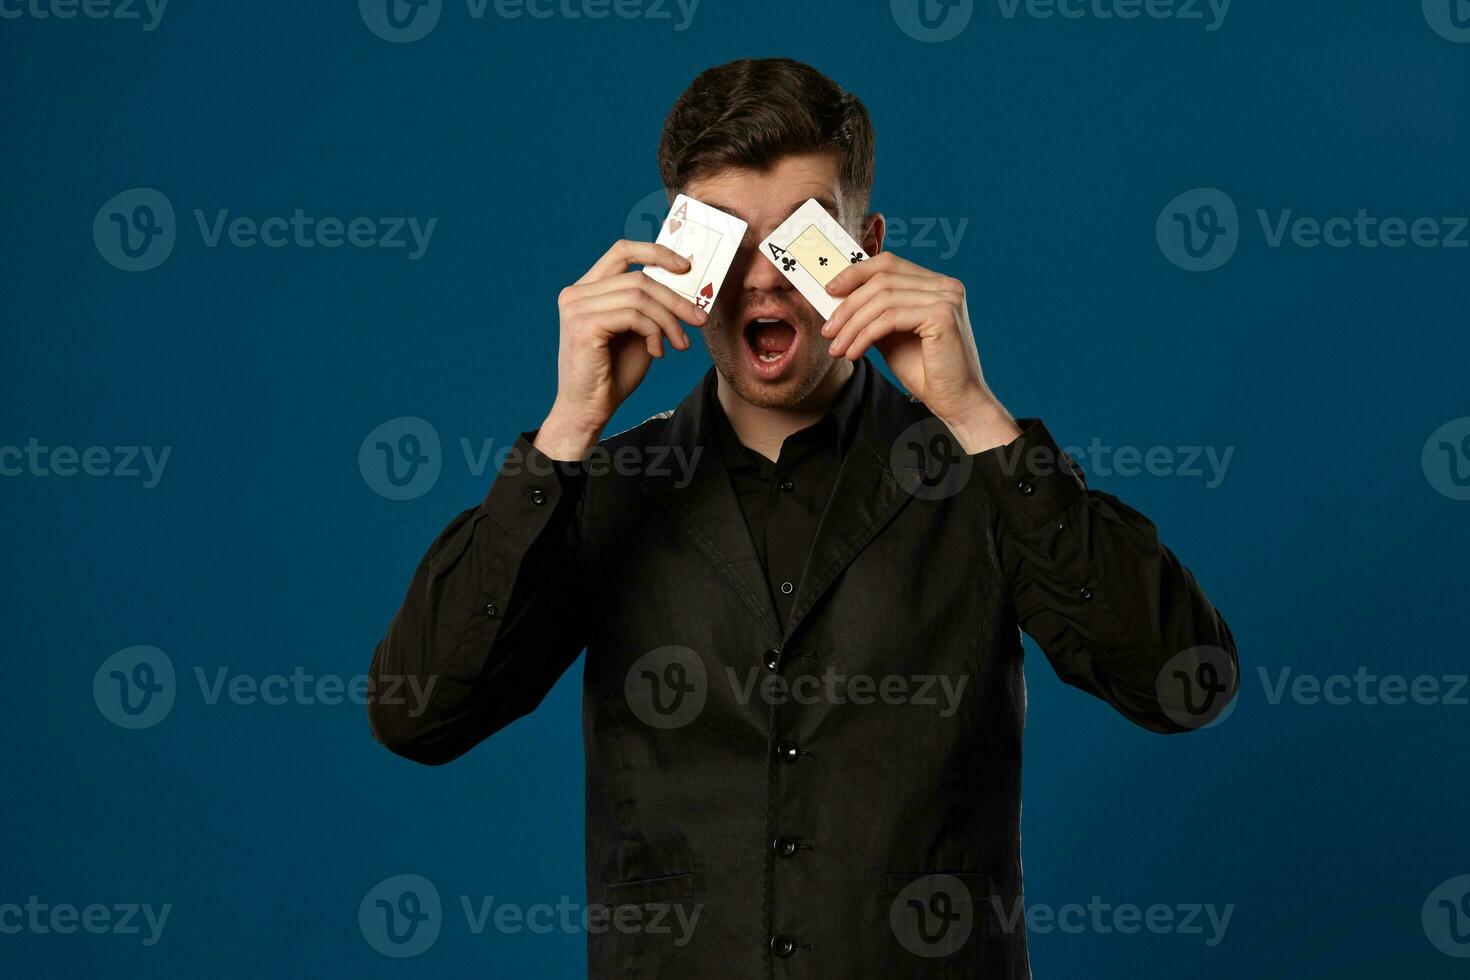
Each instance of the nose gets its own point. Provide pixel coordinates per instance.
(761, 275)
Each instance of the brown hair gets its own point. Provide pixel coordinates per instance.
(752, 112)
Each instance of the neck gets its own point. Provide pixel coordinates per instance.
(765, 429)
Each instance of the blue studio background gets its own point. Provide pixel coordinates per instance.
(1050, 147)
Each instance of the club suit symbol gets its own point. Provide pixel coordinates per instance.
(1199, 230)
(400, 21)
(1446, 459)
(1446, 917)
(1450, 19)
(667, 688)
(401, 915)
(928, 462)
(933, 916)
(932, 21)
(1196, 687)
(134, 688)
(135, 230)
(401, 458)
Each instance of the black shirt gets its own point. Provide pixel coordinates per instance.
(783, 501)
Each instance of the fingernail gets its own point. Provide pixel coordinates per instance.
(700, 316)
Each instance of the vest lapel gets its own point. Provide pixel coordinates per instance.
(865, 498)
(708, 513)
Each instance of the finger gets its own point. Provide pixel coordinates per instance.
(626, 252)
(633, 297)
(894, 301)
(665, 296)
(629, 321)
(860, 296)
(860, 272)
(905, 320)
(859, 309)
(673, 302)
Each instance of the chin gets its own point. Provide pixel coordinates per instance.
(772, 360)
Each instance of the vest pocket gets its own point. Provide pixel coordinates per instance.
(667, 888)
(647, 927)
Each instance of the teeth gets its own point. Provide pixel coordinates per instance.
(769, 358)
(767, 319)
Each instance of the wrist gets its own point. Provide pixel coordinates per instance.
(565, 436)
(982, 425)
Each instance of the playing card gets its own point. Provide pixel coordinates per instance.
(709, 239)
(810, 248)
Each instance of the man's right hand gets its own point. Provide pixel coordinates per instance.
(613, 324)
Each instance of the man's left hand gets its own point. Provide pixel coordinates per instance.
(918, 321)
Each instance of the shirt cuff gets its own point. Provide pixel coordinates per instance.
(529, 488)
(1030, 479)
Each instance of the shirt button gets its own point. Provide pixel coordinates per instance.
(773, 659)
(787, 588)
(786, 486)
(783, 946)
(1085, 593)
(1026, 488)
(788, 752)
(785, 847)
(490, 609)
(538, 496)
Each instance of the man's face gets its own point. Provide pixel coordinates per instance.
(763, 337)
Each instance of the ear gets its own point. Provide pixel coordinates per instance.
(872, 241)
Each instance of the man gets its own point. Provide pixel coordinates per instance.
(803, 690)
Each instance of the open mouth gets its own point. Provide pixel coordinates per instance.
(770, 343)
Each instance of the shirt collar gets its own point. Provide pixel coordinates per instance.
(845, 412)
